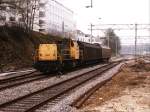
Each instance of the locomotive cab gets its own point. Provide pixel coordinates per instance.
(46, 58)
(69, 50)
(69, 53)
(74, 50)
(58, 55)
(47, 52)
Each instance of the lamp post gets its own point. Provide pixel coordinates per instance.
(135, 40)
(108, 40)
(63, 28)
(149, 29)
(91, 25)
(116, 48)
(91, 3)
(99, 24)
(90, 6)
(91, 29)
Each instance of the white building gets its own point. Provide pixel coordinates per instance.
(51, 17)
(80, 36)
(55, 18)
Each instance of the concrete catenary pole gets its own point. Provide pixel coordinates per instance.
(91, 25)
(149, 25)
(116, 47)
(91, 3)
(135, 41)
(63, 28)
(108, 40)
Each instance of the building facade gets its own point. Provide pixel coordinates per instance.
(51, 17)
(80, 36)
(55, 18)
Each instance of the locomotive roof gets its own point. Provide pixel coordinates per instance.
(89, 45)
(106, 47)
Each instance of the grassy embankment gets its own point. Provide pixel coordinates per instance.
(17, 47)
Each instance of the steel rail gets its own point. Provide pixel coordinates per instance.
(21, 80)
(31, 102)
(84, 97)
(12, 78)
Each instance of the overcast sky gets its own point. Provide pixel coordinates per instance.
(110, 12)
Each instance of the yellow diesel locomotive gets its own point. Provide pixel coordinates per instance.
(68, 53)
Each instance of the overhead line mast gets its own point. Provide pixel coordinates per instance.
(134, 27)
(149, 23)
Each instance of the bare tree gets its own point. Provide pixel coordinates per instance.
(25, 8)
(112, 40)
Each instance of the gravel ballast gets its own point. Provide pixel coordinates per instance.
(64, 104)
(128, 91)
(15, 92)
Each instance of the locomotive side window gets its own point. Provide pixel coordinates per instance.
(72, 44)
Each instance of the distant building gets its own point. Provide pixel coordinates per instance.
(80, 36)
(51, 17)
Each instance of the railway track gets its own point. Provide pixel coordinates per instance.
(34, 100)
(16, 80)
(16, 75)
(21, 79)
(80, 101)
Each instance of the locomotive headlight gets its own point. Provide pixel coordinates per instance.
(40, 54)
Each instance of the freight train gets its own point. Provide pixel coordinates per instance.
(67, 53)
